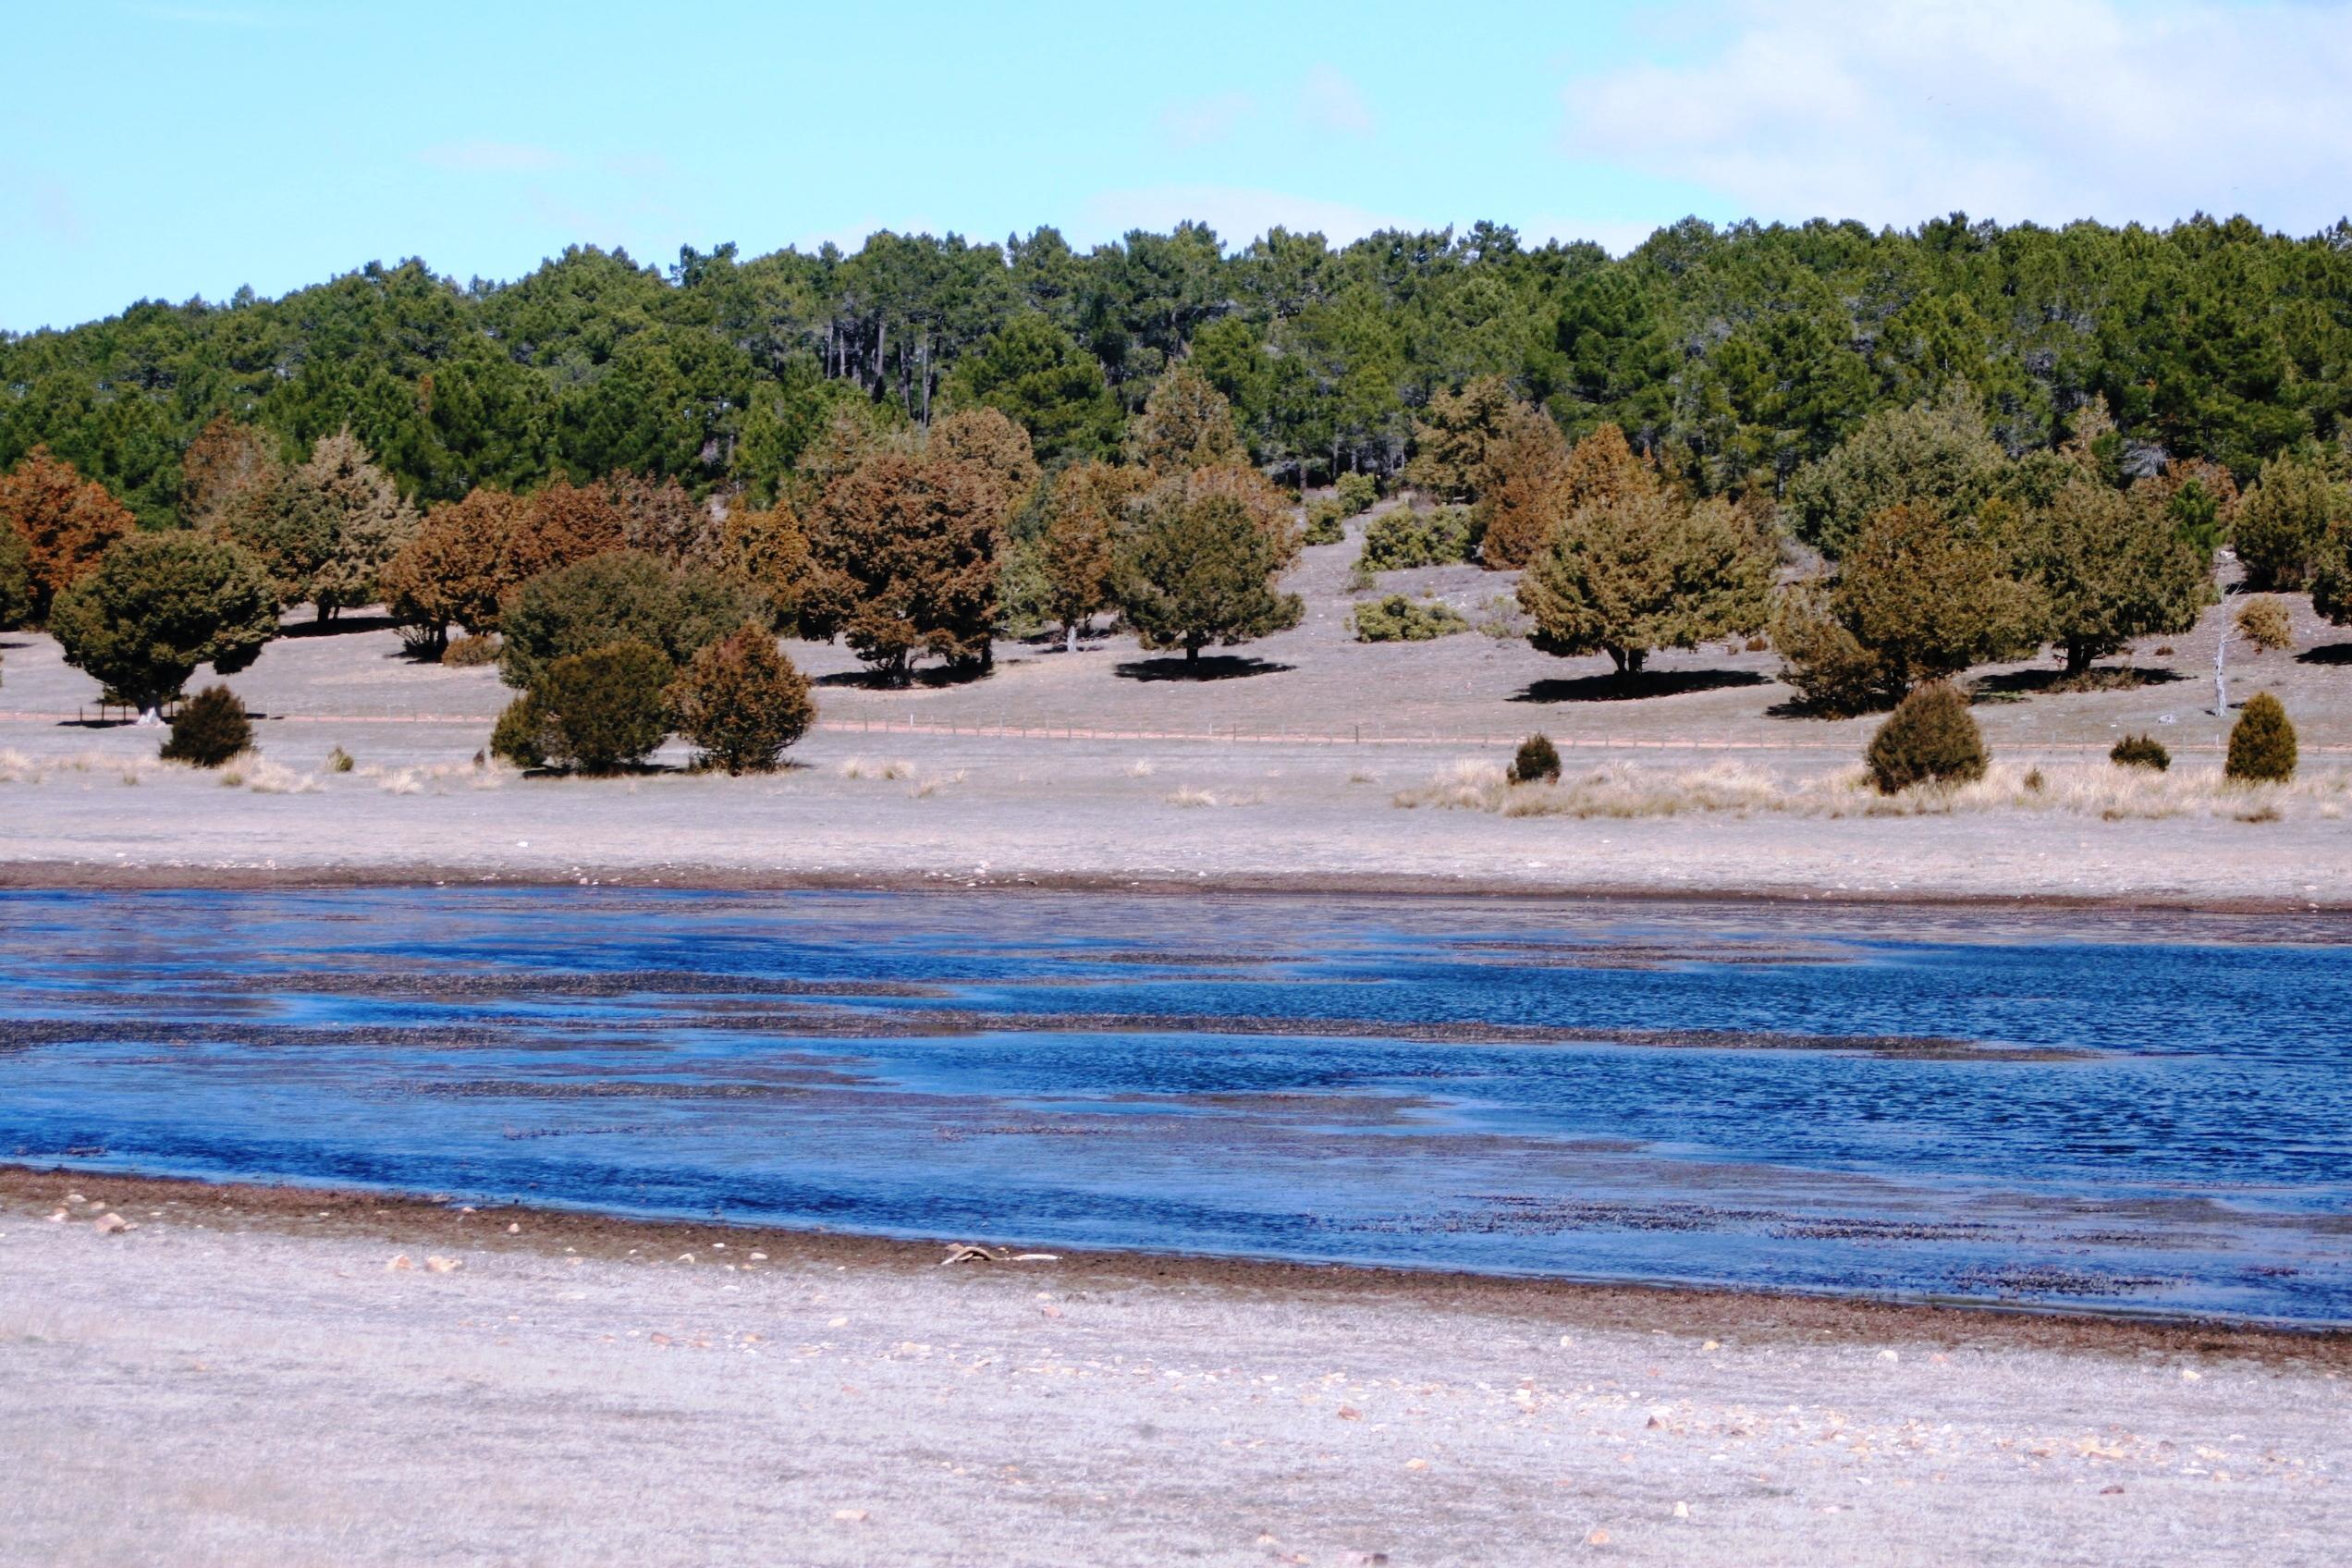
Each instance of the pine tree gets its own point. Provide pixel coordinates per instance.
(2283, 523)
(66, 524)
(1079, 551)
(227, 459)
(1196, 568)
(903, 549)
(1524, 487)
(1453, 436)
(767, 551)
(159, 606)
(1186, 423)
(1933, 457)
(1645, 569)
(1916, 597)
(458, 566)
(353, 507)
(2108, 568)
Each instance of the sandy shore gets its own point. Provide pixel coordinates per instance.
(250, 1375)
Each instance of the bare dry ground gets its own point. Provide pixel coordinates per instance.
(1280, 770)
(252, 1376)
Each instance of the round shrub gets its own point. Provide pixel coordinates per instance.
(2140, 751)
(2263, 621)
(1398, 619)
(1324, 525)
(520, 735)
(1355, 492)
(1403, 539)
(1930, 736)
(209, 728)
(621, 597)
(469, 651)
(1536, 759)
(606, 709)
(2262, 743)
(740, 703)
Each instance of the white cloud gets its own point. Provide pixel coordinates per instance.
(1239, 215)
(2016, 109)
(493, 157)
(1192, 121)
(1330, 101)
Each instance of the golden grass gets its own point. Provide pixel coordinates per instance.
(870, 767)
(1189, 796)
(490, 774)
(2091, 790)
(16, 767)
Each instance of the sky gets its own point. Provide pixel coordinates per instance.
(172, 150)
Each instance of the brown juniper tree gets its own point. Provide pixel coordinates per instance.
(1646, 568)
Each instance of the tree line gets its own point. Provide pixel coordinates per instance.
(1730, 356)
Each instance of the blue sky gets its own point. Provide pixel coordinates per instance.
(170, 149)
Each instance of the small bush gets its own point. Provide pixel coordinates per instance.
(1536, 758)
(2264, 622)
(209, 728)
(1404, 538)
(1355, 492)
(520, 735)
(2262, 743)
(740, 703)
(1324, 524)
(2140, 751)
(468, 651)
(338, 761)
(2033, 781)
(1930, 736)
(606, 709)
(1398, 619)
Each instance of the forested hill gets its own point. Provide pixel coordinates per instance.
(1736, 354)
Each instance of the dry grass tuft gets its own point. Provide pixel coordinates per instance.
(925, 788)
(266, 777)
(1188, 796)
(2099, 789)
(868, 768)
(1141, 769)
(486, 774)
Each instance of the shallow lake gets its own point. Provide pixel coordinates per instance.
(2131, 1114)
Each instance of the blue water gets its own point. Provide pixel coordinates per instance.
(2133, 1114)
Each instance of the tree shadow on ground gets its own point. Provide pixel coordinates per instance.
(341, 626)
(931, 677)
(2012, 683)
(1213, 666)
(10, 647)
(2333, 653)
(1615, 688)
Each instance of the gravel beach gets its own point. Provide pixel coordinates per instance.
(266, 1375)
